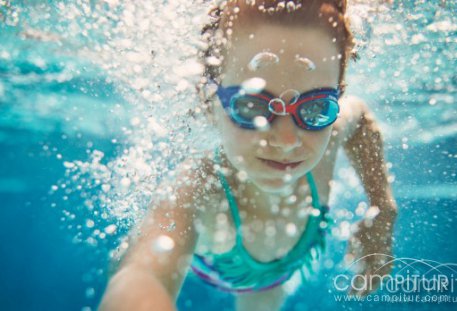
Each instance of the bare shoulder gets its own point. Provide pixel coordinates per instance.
(352, 108)
(193, 176)
(198, 175)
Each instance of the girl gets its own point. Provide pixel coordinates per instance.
(252, 212)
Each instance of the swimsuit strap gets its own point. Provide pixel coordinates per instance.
(232, 202)
(314, 193)
(231, 199)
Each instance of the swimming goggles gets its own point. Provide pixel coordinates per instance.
(312, 110)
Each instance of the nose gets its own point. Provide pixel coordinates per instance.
(284, 134)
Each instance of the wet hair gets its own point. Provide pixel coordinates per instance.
(328, 14)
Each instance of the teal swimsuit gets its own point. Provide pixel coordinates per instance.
(237, 271)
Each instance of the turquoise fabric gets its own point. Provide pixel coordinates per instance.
(237, 269)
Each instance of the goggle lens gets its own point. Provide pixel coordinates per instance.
(318, 113)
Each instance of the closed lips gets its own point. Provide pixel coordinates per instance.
(285, 163)
(280, 165)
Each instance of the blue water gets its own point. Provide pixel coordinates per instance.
(58, 105)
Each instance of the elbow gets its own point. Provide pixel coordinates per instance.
(366, 135)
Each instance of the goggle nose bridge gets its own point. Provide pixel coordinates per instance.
(278, 107)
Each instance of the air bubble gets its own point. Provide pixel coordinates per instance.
(125, 182)
(291, 229)
(68, 164)
(290, 6)
(305, 62)
(372, 212)
(106, 188)
(90, 223)
(110, 229)
(171, 227)
(242, 176)
(220, 236)
(270, 231)
(261, 123)
(344, 230)
(253, 85)
(361, 209)
(323, 225)
(281, 6)
(274, 209)
(213, 61)
(390, 179)
(163, 244)
(290, 96)
(90, 292)
(221, 219)
(262, 59)
(291, 199)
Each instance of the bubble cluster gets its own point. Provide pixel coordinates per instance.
(146, 54)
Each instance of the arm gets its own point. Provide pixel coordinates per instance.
(149, 279)
(132, 288)
(372, 242)
(364, 147)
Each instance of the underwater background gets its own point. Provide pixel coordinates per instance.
(93, 114)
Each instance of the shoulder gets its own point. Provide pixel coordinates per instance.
(198, 175)
(352, 110)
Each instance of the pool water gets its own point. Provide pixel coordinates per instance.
(86, 134)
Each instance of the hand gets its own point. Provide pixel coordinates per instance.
(370, 251)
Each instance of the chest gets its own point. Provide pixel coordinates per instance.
(265, 235)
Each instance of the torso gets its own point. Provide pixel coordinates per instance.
(264, 234)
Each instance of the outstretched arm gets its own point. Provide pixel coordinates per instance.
(373, 240)
(149, 277)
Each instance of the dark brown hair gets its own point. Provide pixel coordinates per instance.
(329, 14)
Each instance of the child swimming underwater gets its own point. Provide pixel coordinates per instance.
(254, 210)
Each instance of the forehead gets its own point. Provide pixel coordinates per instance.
(287, 43)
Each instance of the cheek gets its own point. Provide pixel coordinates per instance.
(233, 137)
(319, 140)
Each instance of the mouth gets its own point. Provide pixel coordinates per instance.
(281, 165)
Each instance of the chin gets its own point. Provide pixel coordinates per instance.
(275, 186)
